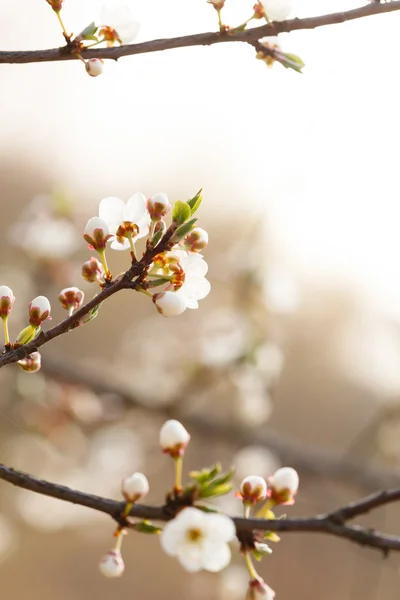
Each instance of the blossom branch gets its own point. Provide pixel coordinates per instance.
(135, 272)
(333, 523)
(201, 39)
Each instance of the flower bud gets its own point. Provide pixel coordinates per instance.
(56, 5)
(39, 311)
(135, 487)
(158, 206)
(174, 438)
(112, 564)
(196, 240)
(31, 363)
(94, 66)
(71, 298)
(169, 304)
(259, 590)
(283, 485)
(92, 270)
(97, 233)
(253, 489)
(6, 300)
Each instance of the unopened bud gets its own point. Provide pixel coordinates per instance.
(253, 489)
(217, 4)
(94, 66)
(56, 5)
(135, 487)
(174, 438)
(169, 304)
(92, 270)
(158, 206)
(31, 363)
(71, 298)
(97, 233)
(283, 485)
(39, 311)
(259, 590)
(112, 564)
(196, 240)
(6, 300)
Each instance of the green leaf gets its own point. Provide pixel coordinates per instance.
(181, 212)
(91, 315)
(207, 509)
(217, 490)
(146, 527)
(156, 238)
(224, 478)
(27, 335)
(272, 536)
(205, 475)
(290, 61)
(195, 202)
(88, 33)
(184, 229)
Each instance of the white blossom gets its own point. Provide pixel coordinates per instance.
(97, 233)
(112, 564)
(39, 310)
(253, 489)
(158, 206)
(120, 17)
(94, 66)
(134, 487)
(115, 213)
(283, 479)
(196, 240)
(71, 298)
(277, 10)
(194, 286)
(169, 304)
(6, 300)
(259, 590)
(199, 540)
(174, 438)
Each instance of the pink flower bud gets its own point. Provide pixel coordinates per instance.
(135, 487)
(94, 66)
(6, 300)
(158, 206)
(174, 438)
(112, 564)
(169, 304)
(56, 5)
(71, 298)
(32, 363)
(39, 311)
(283, 485)
(92, 270)
(259, 590)
(196, 240)
(253, 489)
(97, 233)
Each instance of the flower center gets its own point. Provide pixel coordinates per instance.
(194, 535)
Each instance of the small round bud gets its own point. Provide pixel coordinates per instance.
(253, 489)
(169, 304)
(32, 363)
(94, 66)
(112, 564)
(56, 5)
(283, 485)
(196, 240)
(158, 206)
(174, 438)
(92, 270)
(39, 311)
(259, 590)
(97, 233)
(135, 487)
(6, 300)
(71, 298)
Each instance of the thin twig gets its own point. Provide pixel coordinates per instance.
(333, 523)
(201, 39)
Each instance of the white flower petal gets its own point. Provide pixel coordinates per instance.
(215, 556)
(111, 210)
(116, 245)
(120, 17)
(172, 537)
(196, 289)
(135, 207)
(190, 557)
(219, 527)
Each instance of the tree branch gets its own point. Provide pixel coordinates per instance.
(201, 39)
(333, 523)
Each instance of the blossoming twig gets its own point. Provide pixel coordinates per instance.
(201, 39)
(333, 523)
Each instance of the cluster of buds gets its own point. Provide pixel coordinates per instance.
(178, 271)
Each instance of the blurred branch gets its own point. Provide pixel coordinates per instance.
(201, 39)
(124, 281)
(333, 523)
(310, 460)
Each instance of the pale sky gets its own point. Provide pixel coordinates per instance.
(317, 153)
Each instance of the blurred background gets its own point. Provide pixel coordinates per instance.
(294, 357)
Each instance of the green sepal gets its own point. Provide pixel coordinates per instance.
(181, 212)
(195, 202)
(156, 238)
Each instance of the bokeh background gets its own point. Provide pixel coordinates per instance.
(294, 358)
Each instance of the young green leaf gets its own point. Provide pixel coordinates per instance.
(195, 202)
(181, 212)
